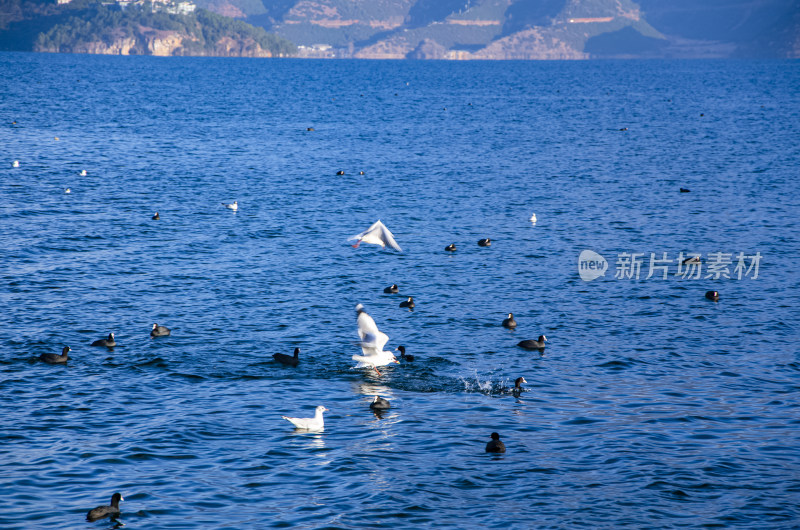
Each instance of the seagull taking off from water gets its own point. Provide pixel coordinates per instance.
(372, 342)
(310, 424)
(377, 234)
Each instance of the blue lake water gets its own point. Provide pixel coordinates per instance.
(651, 406)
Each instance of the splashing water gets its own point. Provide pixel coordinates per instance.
(486, 387)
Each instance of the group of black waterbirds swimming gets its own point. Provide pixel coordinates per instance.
(108, 342)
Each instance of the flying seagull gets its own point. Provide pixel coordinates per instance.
(377, 234)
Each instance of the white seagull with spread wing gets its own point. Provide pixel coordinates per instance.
(372, 342)
(377, 234)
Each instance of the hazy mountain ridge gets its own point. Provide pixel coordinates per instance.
(417, 29)
(531, 29)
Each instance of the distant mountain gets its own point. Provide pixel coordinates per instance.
(125, 28)
(734, 28)
(527, 29)
(413, 29)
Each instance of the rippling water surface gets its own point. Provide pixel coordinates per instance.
(652, 406)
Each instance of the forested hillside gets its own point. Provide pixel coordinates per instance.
(84, 26)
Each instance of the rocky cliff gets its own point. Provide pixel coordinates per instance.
(99, 29)
(149, 41)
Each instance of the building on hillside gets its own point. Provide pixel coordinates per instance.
(181, 8)
(172, 7)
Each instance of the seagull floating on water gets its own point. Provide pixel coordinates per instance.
(67, 190)
(310, 424)
(83, 173)
(372, 342)
(533, 218)
(15, 163)
(376, 234)
(232, 206)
